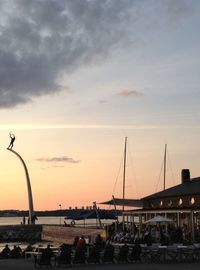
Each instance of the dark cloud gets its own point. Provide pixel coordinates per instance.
(58, 159)
(177, 10)
(42, 40)
(127, 93)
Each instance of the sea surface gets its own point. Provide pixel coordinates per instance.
(48, 220)
(41, 220)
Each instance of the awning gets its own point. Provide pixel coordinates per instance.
(125, 202)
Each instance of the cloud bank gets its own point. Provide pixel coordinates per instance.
(40, 41)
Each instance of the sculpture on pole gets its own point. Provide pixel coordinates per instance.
(12, 139)
(32, 216)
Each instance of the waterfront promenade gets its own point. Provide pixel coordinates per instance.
(23, 264)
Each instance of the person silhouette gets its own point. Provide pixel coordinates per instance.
(12, 137)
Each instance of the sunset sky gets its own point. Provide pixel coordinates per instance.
(76, 77)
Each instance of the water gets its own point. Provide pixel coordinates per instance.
(40, 220)
(49, 221)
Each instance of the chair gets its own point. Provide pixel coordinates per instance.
(136, 253)
(172, 253)
(44, 260)
(155, 254)
(80, 256)
(108, 255)
(65, 256)
(123, 254)
(94, 255)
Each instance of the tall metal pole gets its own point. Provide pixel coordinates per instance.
(30, 197)
(165, 165)
(60, 212)
(124, 179)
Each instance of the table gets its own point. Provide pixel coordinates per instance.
(32, 254)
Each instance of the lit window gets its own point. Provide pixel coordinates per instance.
(161, 203)
(180, 201)
(192, 201)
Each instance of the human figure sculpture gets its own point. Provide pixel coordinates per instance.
(12, 137)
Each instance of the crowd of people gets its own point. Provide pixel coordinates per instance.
(80, 242)
(155, 234)
(162, 234)
(15, 252)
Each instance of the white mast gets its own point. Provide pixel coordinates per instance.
(165, 166)
(124, 179)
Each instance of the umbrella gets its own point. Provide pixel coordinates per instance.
(102, 214)
(158, 219)
(91, 214)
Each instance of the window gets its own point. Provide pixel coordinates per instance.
(180, 201)
(161, 203)
(192, 201)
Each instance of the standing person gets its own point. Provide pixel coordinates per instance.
(81, 244)
(98, 241)
(24, 220)
(75, 241)
(12, 137)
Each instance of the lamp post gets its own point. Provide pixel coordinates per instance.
(60, 213)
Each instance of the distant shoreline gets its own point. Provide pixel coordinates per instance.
(45, 213)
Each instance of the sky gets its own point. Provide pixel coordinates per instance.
(76, 78)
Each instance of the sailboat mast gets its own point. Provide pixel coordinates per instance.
(124, 174)
(165, 161)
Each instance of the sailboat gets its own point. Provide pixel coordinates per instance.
(124, 201)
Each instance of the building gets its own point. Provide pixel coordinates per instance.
(180, 203)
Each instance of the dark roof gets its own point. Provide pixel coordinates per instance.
(191, 187)
(125, 202)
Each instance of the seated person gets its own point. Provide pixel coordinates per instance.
(27, 249)
(5, 252)
(45, 258)
(48, 250)
(15, 252)
(65, 255)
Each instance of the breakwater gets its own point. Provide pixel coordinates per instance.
(52, 233)
(22, 233)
